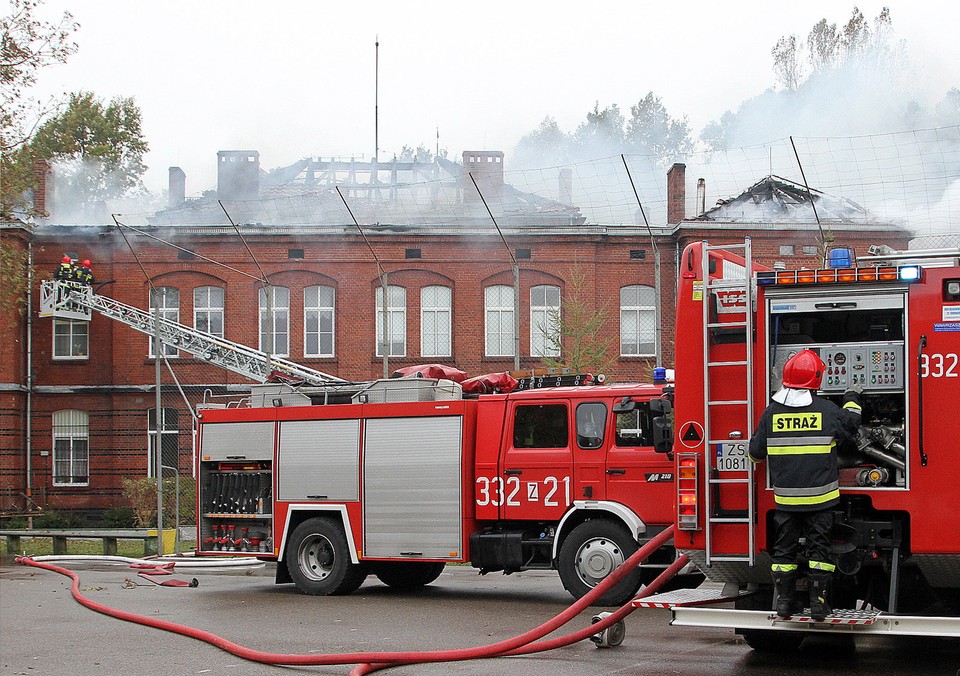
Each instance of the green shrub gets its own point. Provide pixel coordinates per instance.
(118, 517)
(52, 518)
(14, 522)
(141, 495)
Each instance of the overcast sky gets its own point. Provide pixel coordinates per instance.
(297, 79)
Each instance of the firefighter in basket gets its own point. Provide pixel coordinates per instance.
(799, 433)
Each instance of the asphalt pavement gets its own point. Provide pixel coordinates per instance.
(43, 630)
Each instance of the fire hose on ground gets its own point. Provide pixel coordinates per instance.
(368, 662)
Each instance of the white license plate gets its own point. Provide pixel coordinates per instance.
(732, 457)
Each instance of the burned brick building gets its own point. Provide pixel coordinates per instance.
(310, 261)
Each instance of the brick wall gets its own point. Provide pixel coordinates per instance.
(115, 383)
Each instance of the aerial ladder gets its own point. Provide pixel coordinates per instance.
(72, 300)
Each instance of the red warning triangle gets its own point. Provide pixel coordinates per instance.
(691, 433)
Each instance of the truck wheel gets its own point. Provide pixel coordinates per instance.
(592, 551)
(318, 559)
(408, 574)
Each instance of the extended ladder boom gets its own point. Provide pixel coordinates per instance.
(69, 300)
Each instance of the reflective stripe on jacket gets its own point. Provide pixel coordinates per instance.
(801, 445)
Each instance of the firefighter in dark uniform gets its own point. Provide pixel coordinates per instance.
(799, 433)
(64, 271)
(85, 273)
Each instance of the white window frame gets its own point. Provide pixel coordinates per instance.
(313, 310)
(397, 309)
(170, 429)
(436, 303)
(77, 332)
(71, 436)
(638, 320)
(170, 310)
(545, 321)
(498, 321)
(278, 323)
(206, 308)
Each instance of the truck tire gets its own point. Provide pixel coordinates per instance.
(318, 559)
(408, 575)
(592, 551)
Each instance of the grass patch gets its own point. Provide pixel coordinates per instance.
(44, 546)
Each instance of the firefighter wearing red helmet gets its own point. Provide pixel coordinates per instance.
(85, 273)
(64, 271)
(798, 433)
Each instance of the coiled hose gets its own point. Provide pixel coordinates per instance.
(372, 661)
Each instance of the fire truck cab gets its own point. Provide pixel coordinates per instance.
(398, 477)
(887, 323)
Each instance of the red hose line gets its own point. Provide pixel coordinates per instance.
(561, 641)
(368, 658)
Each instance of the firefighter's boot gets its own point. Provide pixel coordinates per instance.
(819, 583)
(785, 586)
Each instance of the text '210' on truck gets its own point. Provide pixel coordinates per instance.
(888, 323)
(398, 477)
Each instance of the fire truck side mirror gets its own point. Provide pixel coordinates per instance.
(662, 434)
(625, 405)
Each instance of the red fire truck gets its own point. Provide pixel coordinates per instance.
(888, 322)
(398, 477)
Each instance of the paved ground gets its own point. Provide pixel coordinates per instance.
(44, 631)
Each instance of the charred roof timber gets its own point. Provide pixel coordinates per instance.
(775, 199)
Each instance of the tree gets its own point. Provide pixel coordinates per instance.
(421, 154)
(14, 273)
(601, 133)
(547, 144)
(26, 46)
(786, 62)
(579, 337)
(651, 131)
(97, 148)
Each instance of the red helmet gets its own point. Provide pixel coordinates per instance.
(65, 259)
(804, 370)
(86, 263)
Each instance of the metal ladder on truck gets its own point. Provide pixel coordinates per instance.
(731, 281)
(71, 300)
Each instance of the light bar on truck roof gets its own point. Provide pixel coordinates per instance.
(889, 273)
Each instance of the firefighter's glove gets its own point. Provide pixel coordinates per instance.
(856, 388)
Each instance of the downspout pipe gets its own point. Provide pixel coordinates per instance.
(28, 464)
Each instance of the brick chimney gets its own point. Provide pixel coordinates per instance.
(177, 191)
(487, 169)
(676, 193)
(566, 185)
(42, 188)
(238, 174)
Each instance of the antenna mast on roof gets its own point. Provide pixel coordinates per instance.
(376, 102)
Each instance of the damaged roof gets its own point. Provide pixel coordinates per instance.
(778, 200)
(405, 194)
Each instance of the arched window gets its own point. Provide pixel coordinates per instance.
(318, 304)
(397, 323)
(168, 300)
(435, 309)
(638, 321)
(545, 321)
(275, 320)
(208, 310)
(498, 320)
(71, 448)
